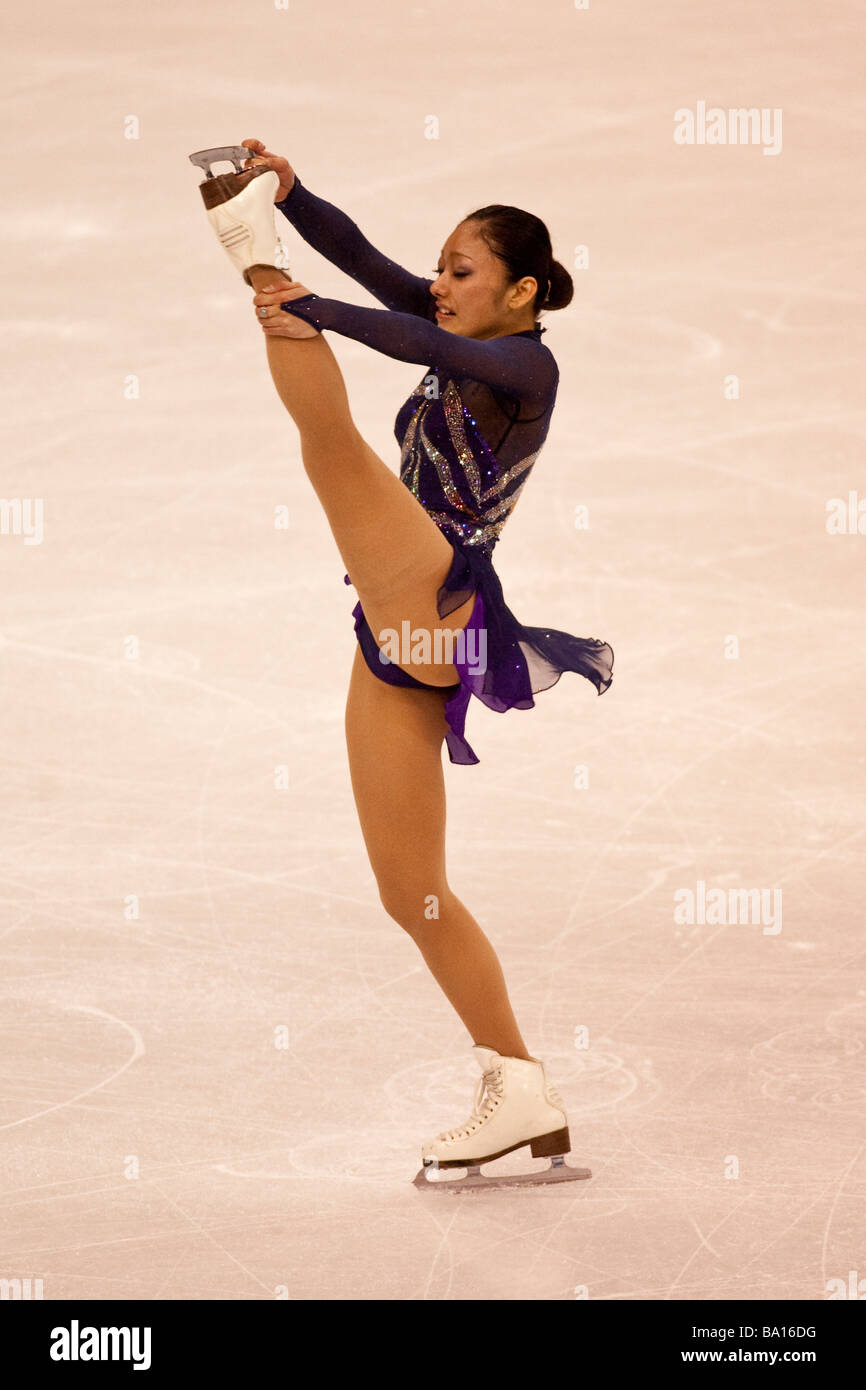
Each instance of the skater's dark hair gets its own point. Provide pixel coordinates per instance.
(521, 240)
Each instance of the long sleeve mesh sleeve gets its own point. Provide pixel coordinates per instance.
(522, 367)
(334, 234)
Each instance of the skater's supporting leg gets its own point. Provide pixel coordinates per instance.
(394, 736)
(394, 554)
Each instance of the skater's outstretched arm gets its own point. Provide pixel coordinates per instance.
(340, 240)
(522, 367)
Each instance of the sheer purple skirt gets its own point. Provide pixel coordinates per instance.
(500, 662)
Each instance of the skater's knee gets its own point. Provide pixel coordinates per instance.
(415, 906)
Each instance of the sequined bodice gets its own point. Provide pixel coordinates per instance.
(452, 470)
(472, 429)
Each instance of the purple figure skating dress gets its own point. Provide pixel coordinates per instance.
(469, 435)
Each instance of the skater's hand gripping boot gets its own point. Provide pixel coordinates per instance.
(278, 162)
(275, 323)
(240, 208)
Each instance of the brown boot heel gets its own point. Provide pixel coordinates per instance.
(551, 1145)
(222, 187)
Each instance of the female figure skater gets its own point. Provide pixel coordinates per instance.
(417, 549)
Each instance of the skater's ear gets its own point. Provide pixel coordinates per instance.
(523, 292)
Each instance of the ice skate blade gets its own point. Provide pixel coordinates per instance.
(559, 1171)
(231, 154)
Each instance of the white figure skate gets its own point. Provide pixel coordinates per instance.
(520, 1107)
(240, 208)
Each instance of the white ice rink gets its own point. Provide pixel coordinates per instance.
(167, 908)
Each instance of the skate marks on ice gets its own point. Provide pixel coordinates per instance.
(423, 1099)
(369, 1157)
(635, 341)
(814, 1066)
(343, 1158)
(81, 1046)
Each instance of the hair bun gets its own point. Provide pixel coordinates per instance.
(561, 290)
(522, 243)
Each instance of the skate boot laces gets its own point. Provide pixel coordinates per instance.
(484, 1105)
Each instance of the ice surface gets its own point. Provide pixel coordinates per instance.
(156, 1142)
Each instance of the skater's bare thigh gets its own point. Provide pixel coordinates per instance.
(395, 555)
(394, 737)
(416, 607)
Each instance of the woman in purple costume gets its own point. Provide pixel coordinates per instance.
(417, 548)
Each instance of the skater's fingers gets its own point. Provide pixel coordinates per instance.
(258, 148)
(271, 302)
(275, 316)
(271, 297)
(279, 286)
(293, 291)
(271, 313)
(280, 293)
(280, 323)
(278, 162)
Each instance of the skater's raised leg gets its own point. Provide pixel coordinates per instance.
(394, 554)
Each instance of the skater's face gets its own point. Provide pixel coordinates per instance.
(473, 294)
